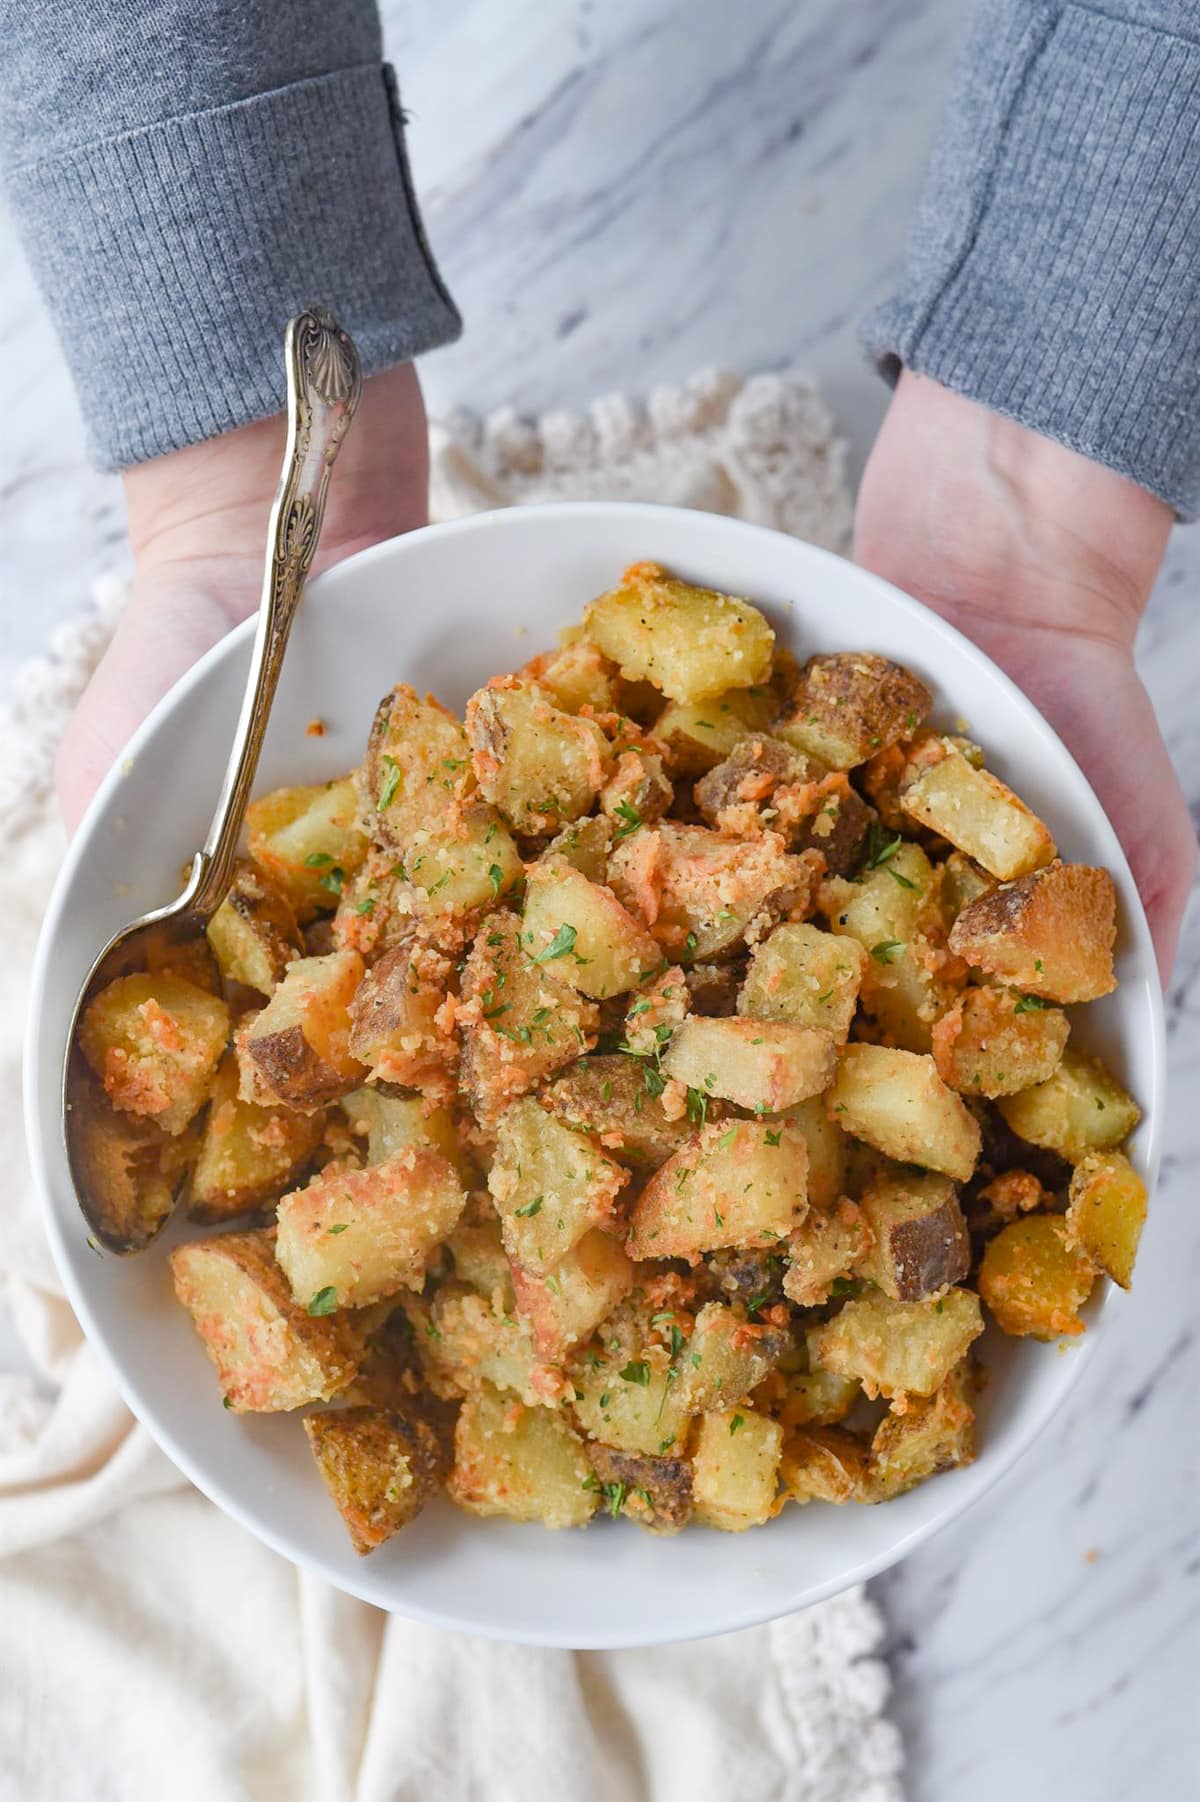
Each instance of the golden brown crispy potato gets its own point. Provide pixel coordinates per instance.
(248, 1155)
(550, 1185)
(132, 1171)
(1050, 933)
(541, 767)
(1106, 1212)
(1034, 1280)
(764, 1065)
(524, 1463)
(823, 1250)
(690, 642)
(898, 1103)
(307, 841)
(1081, 1108)
(297, 1050)
(618, 1098)
(735, 1464)
(852, 704)
(899, 1347)
(725, 1358)
(379, 1466)
(398, 1023)
(823, 1464)
(993, 1041)
(580, 930)
(253, 934)
(933, 1434)
(974, 811)
(734, 1182)
(154, 1041)
(919, 1237)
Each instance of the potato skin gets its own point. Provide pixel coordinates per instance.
(920, 1242)
(1050, 933)
(396, 1018)
(131, 1169)
(379, 1467)
(297, 1051)
(617, 1098)
(850, 705)
(823, 1464)
(655, 1492)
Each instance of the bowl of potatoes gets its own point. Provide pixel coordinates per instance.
(654, 1131)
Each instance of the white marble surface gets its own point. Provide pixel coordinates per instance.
(620, 193)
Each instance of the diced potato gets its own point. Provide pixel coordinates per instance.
(850, 705)
(582, 930)
(725, 1358)
(585, 846)
(577, 675)
(1106, 1212)
(899, 1347)
(297, 1050)
(417, 773)
(639, 791)
(464, 1338)
(154, 1041)
(397, 1024)
(807, 976)
(753, 1279)
(931, 1435)
(656, 1010)
(898, 1103)
(131, 1170)
(834, 820)
(307, 841)
(655, 1492)
(919, 1237)
(394, 1121)
(481, 1260)
(816, 1397)
(961, 883)
(1034, 1280)
(1050, 933)
(824, 1247)
(993, 1041)
(524, 1463)
(466, 864)
(271, 1354)
(540, 766)
(1081, 1108)
(893, 911)
(617, 1098)
(248, 1154)
(380, 1468)
(624, 1381)
(743, 792)
(699, 734)
(713, 988)
(823, 1464)
(735, 1463)
(253, 934)
(568, 1303)
(551, 1185)
(690, 642)
(976, 812)
(767, 1065)
(826, 1150)
(734, 1183)
(353, 1237)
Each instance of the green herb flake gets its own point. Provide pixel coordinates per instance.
(727, 1139)
(495, 877)
(333, 880)
(317, 860)
(886, 950)
(391, 783)
(367, 906)
(561, 945)
(629, 817)
(531, 1208)
(689, 945)
(775, 1138)
(636, 1371)
(903, 881)
(881, 846)
(324, 1301)
(739, 1420)
(340, 1228)
(1030, 1004)
(225, 1402)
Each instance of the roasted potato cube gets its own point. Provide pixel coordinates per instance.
(525, 1463)
(807, 976)
(551, 1185)
(919, 1237)
(639, 791)
(823, 1248)
(582, 931)
(355, 1236)
(961, 882)
(734, 1183)
(307, 841)
(154, 1041)
(1081, 1108)
(624, 1382)
(993, 1041)
(816, 1397)
(893, 910)
(725, 1358)
(1106, 1212)
(1034, 1280)
(1050, 933)
(898, 1103)
(297, 1050)
(767, 1065)
(739, 794)
(932, 1434)
(540, 766)
(826, 1150)
(481, 1260)
(690, 642)
(464, 1338)
(655, 1492)
(752, 1278)
(656, 1010)
(823, 1464)
(380, 1468)
(253, 934)
(397, 1024)
(131, 1169)
(700, 733)
(735, 1463)
(851, 704)
(836, 822)
(393, 1121)
(271, 1354)
(975, 811)
(248, 1154)
(568, 1303)
(585, 846)
(417, 773)
(617, 1098)
(468, 864)
(898, 1347)
(576, 675)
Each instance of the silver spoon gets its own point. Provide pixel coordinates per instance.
(117, 1164)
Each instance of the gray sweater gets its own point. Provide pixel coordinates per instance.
(187, 175)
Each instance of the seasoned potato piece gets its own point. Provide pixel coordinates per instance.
(699, 734)
(481, 1260)
(920, 1243)
(735, 1462)
(1034, 1280)
(1106, 1212)
(931, 1435)
(355, 1236)
(393, 1121)
(899, 1347)
(540, 766)
(908, 977)
(823, 1464)
(568, 1303)
(733, 1183)
(550, 1184)
(690, 642)
(297, 1050)
(1050, 933)
(639, 791)
(850, 705)
(725, 1358)
(1081, 1108)
(307, 841)
(617, 1098)
(380, 1468)
(1011, 1193)
(836, 822)
(624, 1380)
(823, 1249)
(752, 1278)
(525, 1463)
(826, 1150)
(583, 931)
(713, 988)
(816, 1397)
(740, 794)
(464, 1338)
(655, 1492)
(807, 976)
(767, 1065)
(961, 882)
(656, 1010)
(975, 811)
(470, 863)
(993, 1041)
(397, 1023)
(248, 1154)
(131, 1170)
(585, 846)
(271, 1354)
(576, 675)
(154, 1041)
(253, 934)
(898, 1103)
(518, 1020)
(417, 773)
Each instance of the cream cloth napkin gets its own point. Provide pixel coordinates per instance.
(150, 1649)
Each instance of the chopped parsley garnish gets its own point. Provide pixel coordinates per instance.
(317, 860)
(1029, 1004)
(629, 817)
(689, 945)
(531, 1208)
(333, 879)
(886, 950)
(903, 881)
(697, 1106)
(774, 1138)
(738, 1420)
(324, 1301)
(340, 1228)
(881, 846)
(366, 906)
(561, 945)
(636, 1371)
(495, 877)
(390, 784)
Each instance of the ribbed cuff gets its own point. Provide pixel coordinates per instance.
(1054, 269)
(172, 257)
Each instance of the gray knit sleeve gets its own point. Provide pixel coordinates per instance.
(1053, 272)
(185, 177)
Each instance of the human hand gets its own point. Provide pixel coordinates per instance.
(198, 527)
(1046, 560)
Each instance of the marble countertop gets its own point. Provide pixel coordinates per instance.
(619, 194)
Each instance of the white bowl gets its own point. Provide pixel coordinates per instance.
(444, 609)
